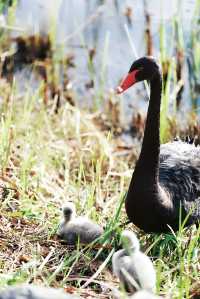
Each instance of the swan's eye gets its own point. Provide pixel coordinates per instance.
(140, 68)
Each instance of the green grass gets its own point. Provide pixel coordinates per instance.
(48, 158)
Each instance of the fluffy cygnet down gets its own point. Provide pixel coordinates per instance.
(74, 228)
(34, 292)
(144, 295)
(133, 268)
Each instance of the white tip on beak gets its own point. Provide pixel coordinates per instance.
(119, 89)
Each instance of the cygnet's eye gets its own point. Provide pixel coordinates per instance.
(67, 212)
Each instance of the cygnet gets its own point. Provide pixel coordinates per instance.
(34, 292)
(133, 268)
(144, 295)
(74, 228)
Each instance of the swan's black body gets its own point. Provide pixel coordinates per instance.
(166, 180)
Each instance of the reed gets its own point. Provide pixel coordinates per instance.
(194, 59)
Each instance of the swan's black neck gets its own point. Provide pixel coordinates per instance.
(148, 162)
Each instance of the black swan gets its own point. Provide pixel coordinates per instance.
(34, 292)
(73, 228)
(165, 186)
(133, 268)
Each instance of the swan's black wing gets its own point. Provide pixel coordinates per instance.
(179, 174)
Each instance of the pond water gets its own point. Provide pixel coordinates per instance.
(100, 24)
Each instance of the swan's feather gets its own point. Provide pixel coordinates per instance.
(179, 174)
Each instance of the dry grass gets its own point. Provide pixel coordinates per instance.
(48, 158)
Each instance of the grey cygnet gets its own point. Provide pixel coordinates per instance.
(34, 292)
(144, 295)
(133, 268)
(74, 228)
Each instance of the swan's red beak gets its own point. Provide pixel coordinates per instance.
(127, 82)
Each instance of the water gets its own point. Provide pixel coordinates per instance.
(83, 24)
